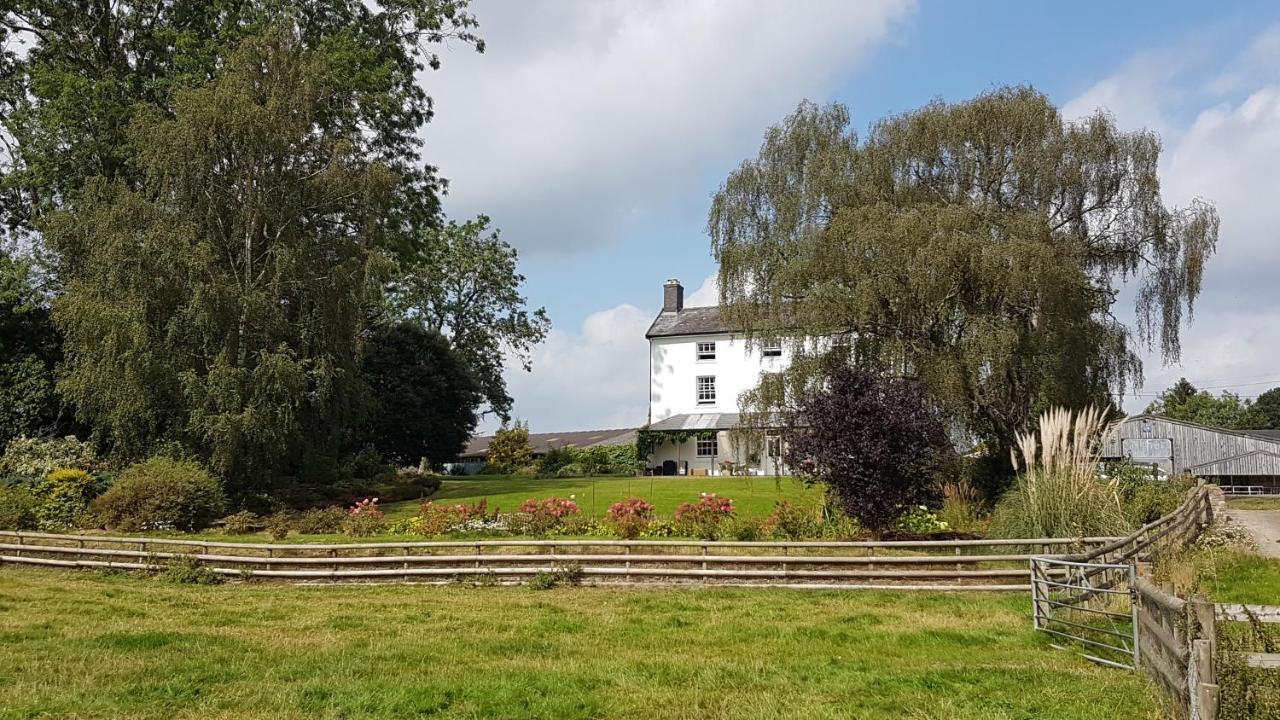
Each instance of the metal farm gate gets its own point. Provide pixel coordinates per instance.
(1089, 605)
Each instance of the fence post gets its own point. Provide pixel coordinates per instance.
(1204, 648)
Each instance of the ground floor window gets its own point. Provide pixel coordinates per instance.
(708, 447)
(773, 446)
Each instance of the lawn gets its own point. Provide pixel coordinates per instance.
(86, 645)
(752, 496)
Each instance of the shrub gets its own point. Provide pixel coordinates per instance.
(572, 470)
(189, 571)
(278, 526)
(630, 517)
(702, 519)
(437, 519)
(792, 522)
(962, 508)
(458, 470)
(744, 529)
(161, 493)
(555, 459)
(241, 523)
(366, 464)
(920, 519)
(1143, 497)
(19, 508)
(509, 450)
(877, 444)
(64, 497)
(546, 515)
(364, 519)
(319, 521)
(1059, 492)
(491, 469)
(37, 457)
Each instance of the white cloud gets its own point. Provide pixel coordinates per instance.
(581, 117)
(594, 377)
(708, 293)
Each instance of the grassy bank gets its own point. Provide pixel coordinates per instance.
(1237, 577)
(91, 646)
(752, 496)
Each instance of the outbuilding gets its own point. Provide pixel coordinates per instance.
(1243, 461)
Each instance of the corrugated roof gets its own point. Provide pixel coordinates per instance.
(696, 421)
(689, 321)
(478, 447)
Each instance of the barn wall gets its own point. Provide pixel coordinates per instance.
(1191, 445)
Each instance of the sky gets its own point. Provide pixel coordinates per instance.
(594, 134)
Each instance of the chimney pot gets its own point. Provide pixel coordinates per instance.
(672, 296)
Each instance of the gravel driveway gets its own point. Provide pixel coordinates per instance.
(1265, 526)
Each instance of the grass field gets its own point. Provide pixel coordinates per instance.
(85, 645)
(1240, 578)
(752, 496)
(1248, 503)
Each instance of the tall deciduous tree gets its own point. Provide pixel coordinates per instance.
(423, 397)
(29, 350)
(1184, 402)
(1265, 413)
(222, 302)
(878, 445)
(463, 284)
(68, 101)
(978, 247)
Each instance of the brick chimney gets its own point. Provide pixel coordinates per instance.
(672, 296)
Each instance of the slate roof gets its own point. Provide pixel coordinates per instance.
(689, 321)
(478, 447)
(1266, 434)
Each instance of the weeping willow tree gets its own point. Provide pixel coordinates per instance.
(979, 247)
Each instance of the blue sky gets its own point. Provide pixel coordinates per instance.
(595, 134)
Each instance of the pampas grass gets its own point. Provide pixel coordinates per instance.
(1059, 492)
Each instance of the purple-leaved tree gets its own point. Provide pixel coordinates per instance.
(877, 444)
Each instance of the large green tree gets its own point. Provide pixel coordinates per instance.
(221, 302)
(1265, 413)
(29, 350)
(977, 246)
(463, 283)
(1184, 402)
(87, 69)
(422, 397)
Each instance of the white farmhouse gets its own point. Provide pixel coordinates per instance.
(698, 368)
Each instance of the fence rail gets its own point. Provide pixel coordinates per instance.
(915, 565)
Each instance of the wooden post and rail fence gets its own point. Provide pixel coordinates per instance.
(1172, 639)
(972, 565)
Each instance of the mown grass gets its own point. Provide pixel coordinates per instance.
(92, 646)
(752, 496)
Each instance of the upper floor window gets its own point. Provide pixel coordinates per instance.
(708, 447)
(706, 390)
(706, 351)
(771, 348)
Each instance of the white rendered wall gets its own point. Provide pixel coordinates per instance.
(675, 367)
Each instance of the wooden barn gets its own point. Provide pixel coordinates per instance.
(1231, 458)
